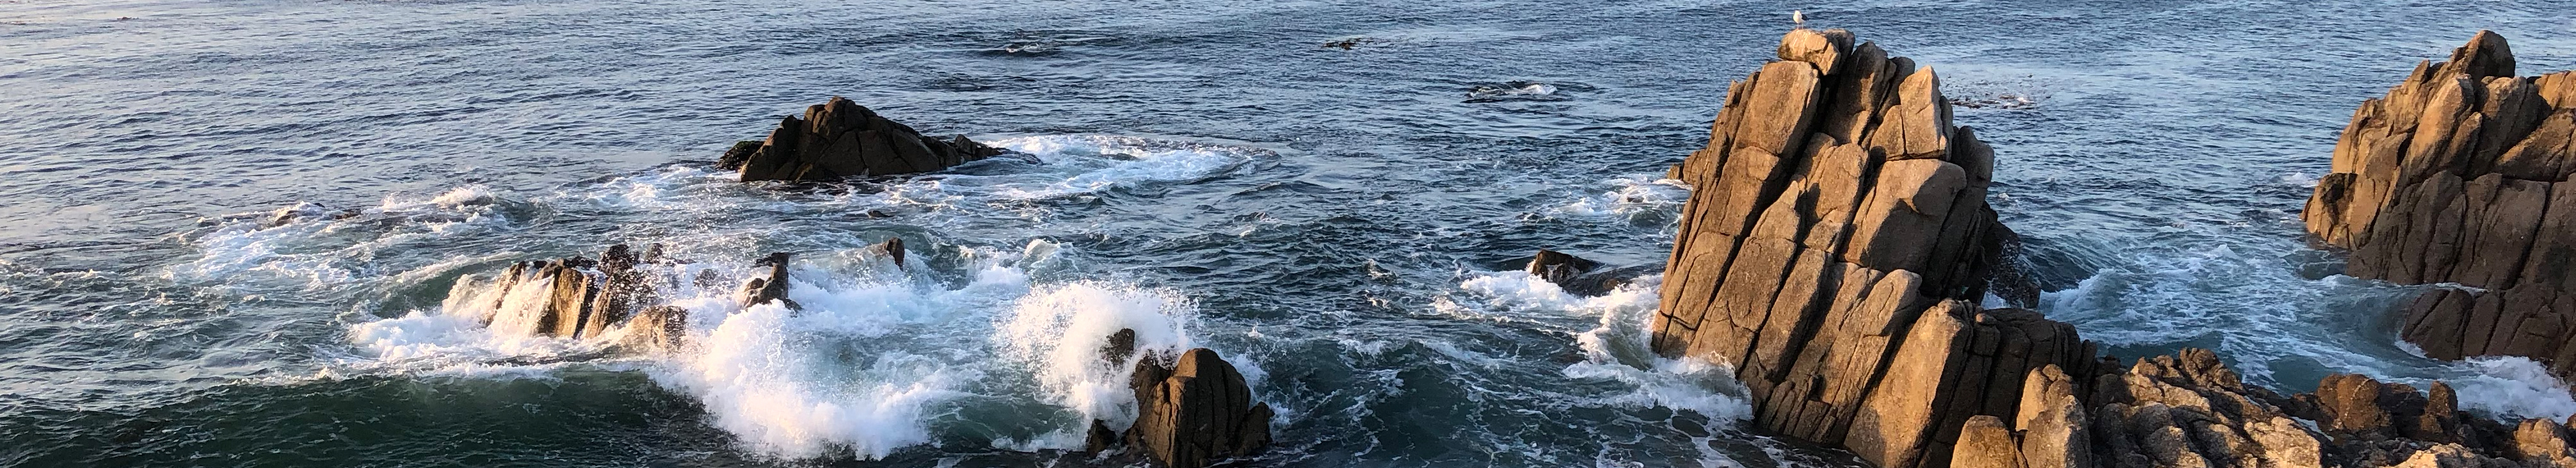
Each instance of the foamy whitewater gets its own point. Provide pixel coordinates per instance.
(883, 357)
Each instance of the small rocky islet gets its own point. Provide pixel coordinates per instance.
(1832, 252)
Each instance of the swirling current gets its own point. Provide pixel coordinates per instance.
(1343, 222)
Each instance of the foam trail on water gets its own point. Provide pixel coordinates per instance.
(851, 371)
(1107, 162)
(319, 247)
(1615, 346)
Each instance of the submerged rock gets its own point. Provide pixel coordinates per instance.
(769, 287)
(2460, 174)
(893, 248)
(1559, 267)
(1582, 277)
(840, 139)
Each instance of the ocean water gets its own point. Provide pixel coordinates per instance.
(1343, 224)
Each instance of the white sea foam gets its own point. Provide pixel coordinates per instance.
(1107, 162)
(1632, 198)
(2515, 387)
(778, 386)
(1060, 331)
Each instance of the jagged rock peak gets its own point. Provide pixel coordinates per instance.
(2460, 174)
(1836, 231)
(840, 138)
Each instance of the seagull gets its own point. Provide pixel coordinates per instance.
(1798, 17)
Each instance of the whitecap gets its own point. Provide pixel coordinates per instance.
(2513, 387)
(1632, 198)
(1061, 332)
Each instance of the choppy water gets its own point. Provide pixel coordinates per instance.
(1343, 223)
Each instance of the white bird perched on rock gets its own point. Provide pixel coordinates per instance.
(1798, 17)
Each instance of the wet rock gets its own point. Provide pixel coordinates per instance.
(1099, 438)
(770, 287)
(1121, 345)
(658, 327)
(893, 248)
(2460, 174)
(840, 139)
(1195, 412)
(1559, 267)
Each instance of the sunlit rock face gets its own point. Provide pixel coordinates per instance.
(2460, 175)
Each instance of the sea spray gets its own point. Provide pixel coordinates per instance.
(1062, 332)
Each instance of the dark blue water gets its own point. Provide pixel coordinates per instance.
(1342, 223)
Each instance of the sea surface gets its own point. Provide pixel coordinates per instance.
(1344, 224)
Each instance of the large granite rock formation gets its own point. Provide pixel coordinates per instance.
(839, 139)
(2460, 175)
(1192, 410)
(1837, 229)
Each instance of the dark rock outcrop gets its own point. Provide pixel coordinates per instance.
(581, 298)
(2460, 174)
(840, 139)
(1195, 412)
(1192, 410)
(1559, 267)
(1836, 230)
(1579, 276)
(893, 248)
(769, 287)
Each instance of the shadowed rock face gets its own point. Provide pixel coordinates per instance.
(1191, 411)
(1559, 267)
(1195, 412)
(2460, 175)
(1837, 227)
(840, 139)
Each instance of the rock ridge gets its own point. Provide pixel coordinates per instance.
(840, 138)
(2460, 174)
(1836, 231)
